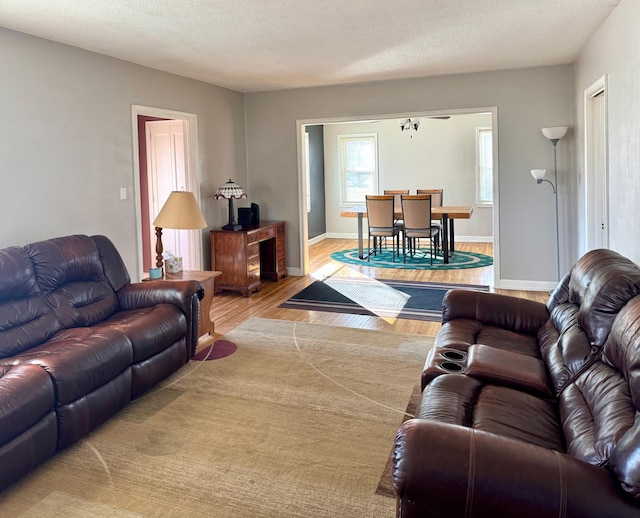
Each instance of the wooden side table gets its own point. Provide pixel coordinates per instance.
(207, 278)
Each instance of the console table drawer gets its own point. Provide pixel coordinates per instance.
(267, 233)
(253, 263)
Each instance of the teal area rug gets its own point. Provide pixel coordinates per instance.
(376, 297)
(420, 261)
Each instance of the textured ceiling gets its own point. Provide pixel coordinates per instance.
(257, 45)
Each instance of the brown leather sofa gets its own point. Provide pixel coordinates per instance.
(78, 341)
(530, 410)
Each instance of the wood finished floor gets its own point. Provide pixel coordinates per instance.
(230, 309)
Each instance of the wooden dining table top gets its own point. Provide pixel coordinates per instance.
(452, 211)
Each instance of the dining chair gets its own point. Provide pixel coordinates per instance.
(416, 212)
(436, 201)
(397, 204)
(381, 221)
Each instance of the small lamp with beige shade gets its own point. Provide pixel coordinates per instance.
(180, 212)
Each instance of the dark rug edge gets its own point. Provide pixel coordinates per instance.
(385, 485)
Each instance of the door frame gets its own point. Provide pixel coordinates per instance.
(597, 88)
(191, 156)
(303, 187)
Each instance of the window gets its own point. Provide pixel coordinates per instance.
(484, 166)
(358, 167)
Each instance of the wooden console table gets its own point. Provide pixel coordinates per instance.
(247, 256)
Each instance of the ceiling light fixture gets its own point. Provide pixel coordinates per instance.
(409, 125)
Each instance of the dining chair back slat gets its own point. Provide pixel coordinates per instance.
(436, 196)
(396, 193)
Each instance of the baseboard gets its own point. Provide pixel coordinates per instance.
(458, 239)
(511, 284)
(294, 272)
(341, 235)
(317, 239)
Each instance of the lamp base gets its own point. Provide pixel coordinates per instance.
(230, 226)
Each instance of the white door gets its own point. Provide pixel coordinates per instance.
(168, 171)
(596, 181)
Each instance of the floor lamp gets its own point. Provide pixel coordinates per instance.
(553, 134)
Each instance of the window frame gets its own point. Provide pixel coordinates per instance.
(343, 139)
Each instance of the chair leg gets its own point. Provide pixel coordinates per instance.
(431, 250)
(404, 247)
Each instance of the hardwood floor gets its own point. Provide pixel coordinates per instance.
(230, 309)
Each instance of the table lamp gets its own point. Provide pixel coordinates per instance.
(181, 212)
(230, 191)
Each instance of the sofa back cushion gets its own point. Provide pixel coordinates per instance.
(582, 309)
(622, 353)
(599, 410)
(112, 263)
(70, 275)
(600, 284)
(26, 320)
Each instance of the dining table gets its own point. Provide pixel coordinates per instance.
(446, 213)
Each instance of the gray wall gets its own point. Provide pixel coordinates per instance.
(527, 100)
(316, 216)
(614, 51)
(66, 147)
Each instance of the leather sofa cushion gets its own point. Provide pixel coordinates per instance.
(150, 330)
(79, 360)
(596, 410)
(70, 275)
(462, 400)
(462, 333)
(622, 352)
(600, 283)
(26, 395)
(25, 317)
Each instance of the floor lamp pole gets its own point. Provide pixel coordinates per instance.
(555, 192)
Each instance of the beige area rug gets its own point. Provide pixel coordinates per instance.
(298, 422)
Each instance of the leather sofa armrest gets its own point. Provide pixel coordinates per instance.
(504, 311)
(150, 293)
(186, 295)
(441, 469)
(508, 368)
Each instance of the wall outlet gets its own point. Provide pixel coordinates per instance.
(123, 193)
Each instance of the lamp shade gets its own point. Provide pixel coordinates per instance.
(229, 191)
(555, 133)
(538, 174)
(180, 211)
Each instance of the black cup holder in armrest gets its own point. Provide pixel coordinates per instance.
(441, 361)
(457, 356)
(452, 366)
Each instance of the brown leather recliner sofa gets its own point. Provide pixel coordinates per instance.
(78, 341)
(530, 410)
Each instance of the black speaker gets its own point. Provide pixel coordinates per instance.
(244, 216)
(255, 213)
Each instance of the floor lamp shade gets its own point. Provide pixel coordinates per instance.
(181, 212)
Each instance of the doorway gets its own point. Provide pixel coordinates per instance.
(596, 166)
(165, 154)
(303, 180)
